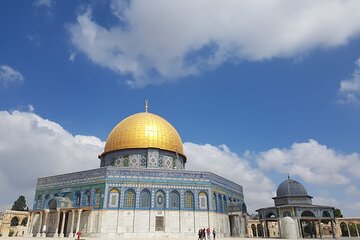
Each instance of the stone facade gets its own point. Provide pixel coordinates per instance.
(124, 202)
(14, 223)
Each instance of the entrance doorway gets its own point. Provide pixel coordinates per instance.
(159, 224)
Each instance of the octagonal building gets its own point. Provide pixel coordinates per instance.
(140, 190)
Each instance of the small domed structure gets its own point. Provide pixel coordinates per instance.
(291, 191)
(295, 213)
(290, 187)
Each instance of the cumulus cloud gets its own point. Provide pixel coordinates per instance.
(9, 75)
(31, 147)
(313, 162)
(258, 188)
(157, 41)
(350, 88)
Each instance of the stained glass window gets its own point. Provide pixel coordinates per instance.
(189, 200)
(114, 198)
(203, 200)
(175, 200)
(145, 199)
(160, 199)
(130, 199)
(87, 198)
(97, 198)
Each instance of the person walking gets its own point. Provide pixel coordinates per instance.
(214, 233)
(203, 234)
(208, 233)
(200, 234)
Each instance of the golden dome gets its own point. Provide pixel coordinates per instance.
(144, 130)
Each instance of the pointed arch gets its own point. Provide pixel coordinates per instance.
(130, 199)
(174, 200)
(145, 199)
(189, 200)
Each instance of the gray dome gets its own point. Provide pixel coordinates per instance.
(289, 188)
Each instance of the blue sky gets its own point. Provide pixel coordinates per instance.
(270, 89)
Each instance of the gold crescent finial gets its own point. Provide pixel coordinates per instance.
(146, 105)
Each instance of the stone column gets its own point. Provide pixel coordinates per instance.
(332, 229)
(320, 229)
(347, 227)
(40, 225)
(44, 229)
(31, 229)
(29, 225)
(279, 228)
(71, 234)
(357, 230)
(78, 221)
(62, 224)
(56, 234)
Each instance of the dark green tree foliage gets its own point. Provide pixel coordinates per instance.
(20, 204)
(337, 213)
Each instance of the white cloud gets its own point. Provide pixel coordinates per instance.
(31, 147)
(350, 88)
(258, 188)
(313, 162)
(40, 3)
(9, 75)
(157, 41)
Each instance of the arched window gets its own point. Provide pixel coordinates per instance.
(215, 203)
(160, 199)
(307, 214)
(259, 230)
(77, 199)
(145, 200)
(221, 208)
(87, 198)
(225, 204)
(24, 221)
(253, 228)
(352, 229)
(175, 200)
(270, 215)
(14, 222)
(114, 198)
(326, 214)
(286, 214)
(189, 200)
(46, 201)
(39, 202)
(98, 193)
(130, 199)
(344, 230)
(203, 201)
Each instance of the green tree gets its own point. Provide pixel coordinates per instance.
(337, 213)
(20, 204)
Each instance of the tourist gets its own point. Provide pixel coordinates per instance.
(214, 233)
(200, 234)
(208, 233)
(203, 234)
